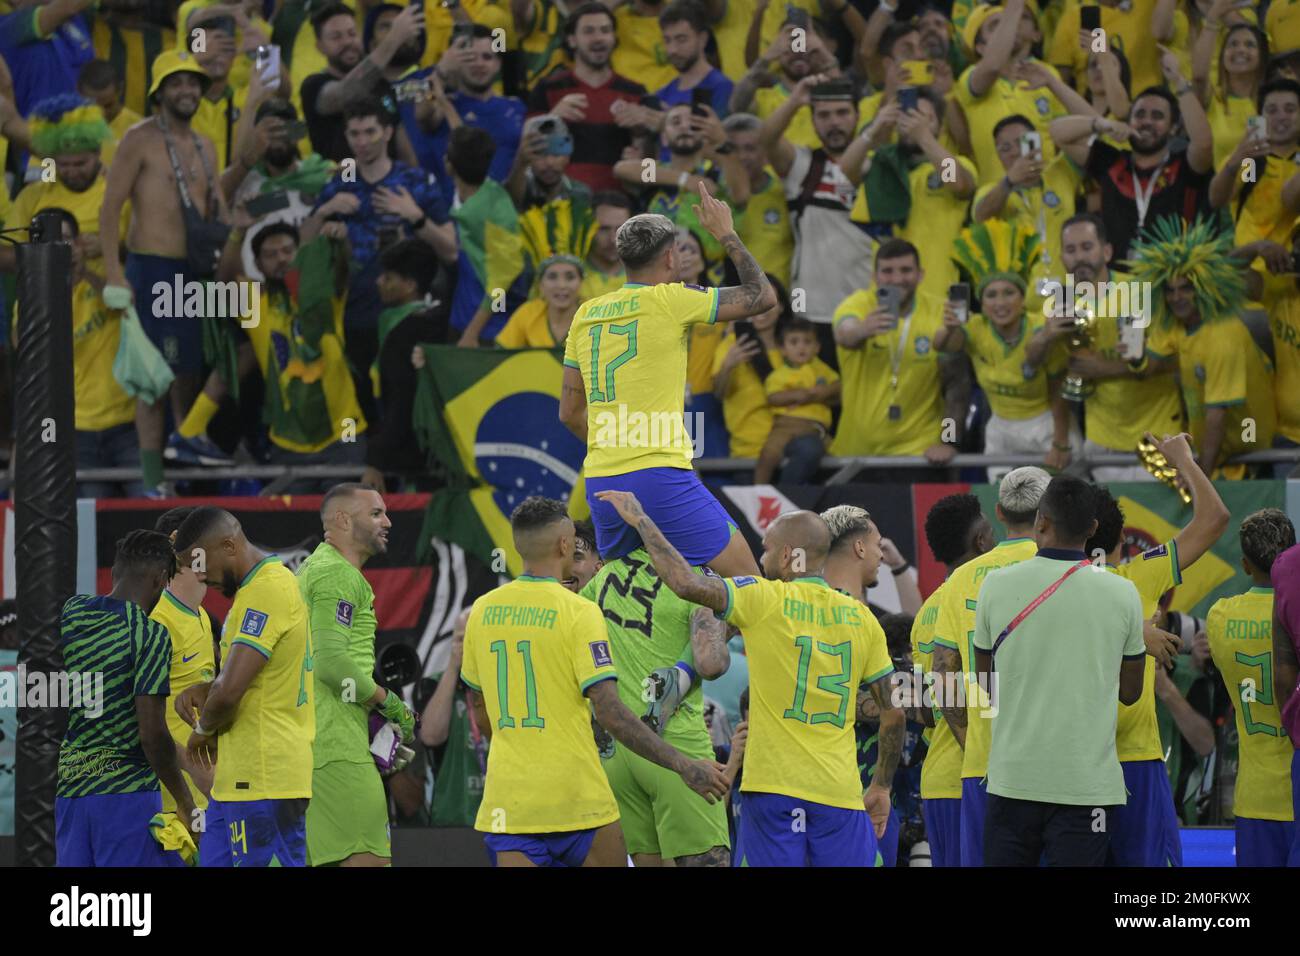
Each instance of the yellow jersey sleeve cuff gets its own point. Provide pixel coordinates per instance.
(879, 674)
(731, 604)
(470, 684)
(264, 651)
(713, 312)
(944, 642)
(593, 681)
(570, 363)
(1173, 562)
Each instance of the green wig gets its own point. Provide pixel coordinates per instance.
(67, 123)
(996, 249)
(1201, 253)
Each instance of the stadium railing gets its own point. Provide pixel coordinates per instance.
(844, 469)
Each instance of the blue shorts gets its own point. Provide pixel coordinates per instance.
(109, 829)
(1294, 858)
(566, 848)
(887, 845)
(943, 830)
(214, 845)
(974, 809)
(1144, 832)
(179, 339)
(675, 500)
(266, 832)
(776, 830)
(1264, 842)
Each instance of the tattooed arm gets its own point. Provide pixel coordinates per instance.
(671, 567)
(573, 402)
(893, 725)
(709, 645)
(754, 294)
(705, 777)
(948, 661)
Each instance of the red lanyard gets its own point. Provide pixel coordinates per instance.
(1033, 605)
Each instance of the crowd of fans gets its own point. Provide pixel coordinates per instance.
(923, 184)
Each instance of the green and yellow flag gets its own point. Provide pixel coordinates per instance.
(489, 420)
(488, 230)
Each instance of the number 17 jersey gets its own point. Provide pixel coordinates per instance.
(809, 647)
(631, 347)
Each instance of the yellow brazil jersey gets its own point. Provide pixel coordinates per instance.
(266, 752)
(83, 205)
(936, 216)
(1261, 215)
(764, 227)
(1284, 319)
(744, 406)
(1122, 409)
(809, 648)
(775, 15)
(1002, 372)
(730, 33)
(1283, 25)
(528, 328)
(631, 347)
(1240, 630)
(192, 663)
(941, 769)
(1228, 116)
(640, 55)
(596, 283)
(785, 376)
(1137, 735)
(1127, 26)
(218, 119)
(123, 121)
(800, 132)
(542, 43)
(532, 649)
(1220, 365)
(1004, 98)
(955, 630)
(100, 401)
(867, 426)
(699, 357)
(275, 342)
(1043, 210)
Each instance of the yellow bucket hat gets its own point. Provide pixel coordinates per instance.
(169, 63)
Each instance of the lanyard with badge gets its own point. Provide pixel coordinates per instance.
(896, 361)
(1142, 197)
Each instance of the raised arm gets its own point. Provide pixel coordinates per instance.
(669, 564)
(58, 12)
(334, 94)
(755, 293)
(997, 52)
(1209, 514)
(1200, 139)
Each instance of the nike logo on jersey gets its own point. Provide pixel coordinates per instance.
(186, 660)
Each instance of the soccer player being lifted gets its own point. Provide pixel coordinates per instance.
(809, 647)
(261, 703)
(625, 385)
(534, 655)
(347, 819)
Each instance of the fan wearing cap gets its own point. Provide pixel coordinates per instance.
(1007, 79)
(1227, 382)
(71, 131)
(1029, 416)
(156, 244)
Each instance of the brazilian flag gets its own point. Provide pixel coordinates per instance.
(487, 227)
(489, 420)
(1154, 514)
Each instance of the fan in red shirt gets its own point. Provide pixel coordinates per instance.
(601, 108)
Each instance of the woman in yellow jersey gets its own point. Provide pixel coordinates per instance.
(544, 323)
(1229, 92)
(704, 412)
(1028, 414)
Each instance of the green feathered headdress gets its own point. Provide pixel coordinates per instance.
(67, 123)
(997, 249)
(1170, 248)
